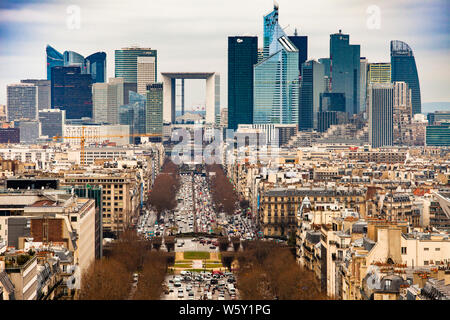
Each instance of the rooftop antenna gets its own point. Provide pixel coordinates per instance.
(275, 5)
(295, 32)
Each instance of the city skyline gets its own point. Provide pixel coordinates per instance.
(25, 31)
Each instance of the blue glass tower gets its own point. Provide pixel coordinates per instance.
(54, 59)
(403, 68)
(276, 78)
(242, 56)
(345, 70)
(73, 59)
(312, 85)
(301, 42)
(133, 114)
(96, 64)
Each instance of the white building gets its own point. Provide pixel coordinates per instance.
(146, 73)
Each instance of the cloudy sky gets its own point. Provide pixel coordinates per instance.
(191, 35)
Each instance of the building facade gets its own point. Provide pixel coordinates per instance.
(381, 98)
(22, 101)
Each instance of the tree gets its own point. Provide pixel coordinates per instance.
(227, 259)
(223, 243)
(236, 241)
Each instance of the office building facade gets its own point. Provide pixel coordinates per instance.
(402, 112)
(154, 119)
(106, 100)
(311, 87)
(72, 91)
(30, 131)
(301, 42)
(54, 59)
(438, 135)
(381, 100)
(403, 68)
(9, 135)
(44, 95)
(52, 122)
(242, 56)
(126, 62)
(345, 70)
(146, 73)
(22, 101)
(363, 65)
(134, 114)
(96, 66)
(379, 72)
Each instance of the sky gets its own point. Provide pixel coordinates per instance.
(191, 35)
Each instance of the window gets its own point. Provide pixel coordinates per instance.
(426, 249)
(425, 263)
(437, 249)
(73, 219)
(403, 250)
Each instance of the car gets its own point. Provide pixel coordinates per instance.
(221, 298)
(180, 294)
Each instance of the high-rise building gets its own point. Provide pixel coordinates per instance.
(72, 91)
(96, 66)
(379, 72)
(301, 42)
(155, 109)
(44, 95)
(312, 86)
(224, 117)
(402, 112)
(270, 22)
(438, 135)
(52, 122)
(22, 101)
(276, 78)
(146, 73)
(276, 85)
(362, 83)
(134, 114)
(242, 56)
(9, 135)
(345, 70)
(30, 130)
(54, 59)
(438, 117)
(381, 100)
(403, 68)
(107, 98)
(126, 64)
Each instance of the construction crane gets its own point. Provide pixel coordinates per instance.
(83, 139)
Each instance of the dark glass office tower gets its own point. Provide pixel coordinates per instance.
(72, 91)
(242, 55)
(54, 58)
(74, 59)
(301, 42)
(311, 87)
(345, 70)
(96, 64)
(403, 68)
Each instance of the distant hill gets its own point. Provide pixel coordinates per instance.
(435, 106)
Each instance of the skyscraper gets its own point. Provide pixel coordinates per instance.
(106, 100)
(379, 72)
(402, 112)
(44, 95)
(362, 83)
(96, 65)
(22, 101)
(403, 68)
(276, 78)
(242, 55)
(146, 73)
(381, 99)
(30, 130)
(134, 114)
(301, 42)
(345, 70)
(126, 64)
(72, 91)
(311, 86)
(154, 117)
(52, 122)
(54, 59)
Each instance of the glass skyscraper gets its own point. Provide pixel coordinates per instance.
(301, 42)
(126, 62)
(312, 85)
(345, 70)
(96, 64)
(54, 59)
(381, 104)
(403, 68)
(134, 114)
(154, 119)
(22, 101)
(72, 91)
(276, 78)
(242, 56)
